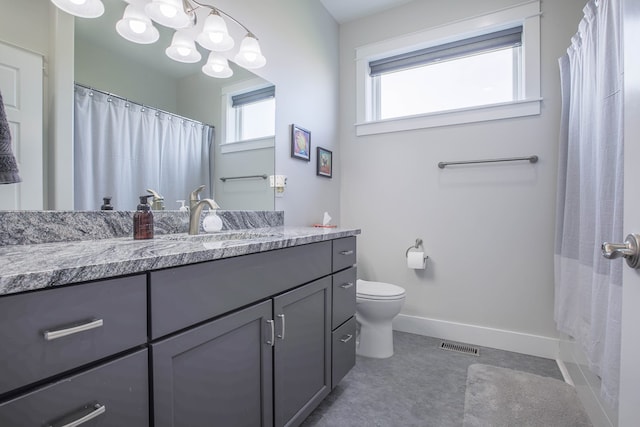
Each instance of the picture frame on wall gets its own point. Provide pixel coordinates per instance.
(324, 162)
(300, 143)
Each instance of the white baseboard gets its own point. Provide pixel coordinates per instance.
(501, 339)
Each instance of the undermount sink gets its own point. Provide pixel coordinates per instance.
(216, 237)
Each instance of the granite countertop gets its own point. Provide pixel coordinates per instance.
(44, 265)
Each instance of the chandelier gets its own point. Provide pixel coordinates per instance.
(137, 26)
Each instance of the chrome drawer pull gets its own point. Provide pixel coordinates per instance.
(273, 337)
(346, 338)
(98, 410)
(52, 335)
(346, 285)
(350, 252)
(281, 336)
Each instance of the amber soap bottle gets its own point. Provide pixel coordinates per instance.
(143, 220)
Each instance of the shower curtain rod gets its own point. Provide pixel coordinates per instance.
(113, 95)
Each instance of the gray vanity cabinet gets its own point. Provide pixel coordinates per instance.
(114, 394)
(302, 352)
(218, 373)
(343, 337)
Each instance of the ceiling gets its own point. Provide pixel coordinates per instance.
(349, 10)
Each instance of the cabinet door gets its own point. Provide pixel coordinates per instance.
(218, 374)
(302, 354)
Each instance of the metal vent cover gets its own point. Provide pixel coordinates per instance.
(460, 348)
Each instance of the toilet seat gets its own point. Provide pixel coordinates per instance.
(378, 290)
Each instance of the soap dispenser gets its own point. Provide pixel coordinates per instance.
(143, 220)
(106, 205)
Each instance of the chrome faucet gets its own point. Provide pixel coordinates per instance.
(158, 201)
(195, 209)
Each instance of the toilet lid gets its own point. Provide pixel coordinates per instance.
(378, 290)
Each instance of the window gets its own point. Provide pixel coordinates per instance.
(478, 71)
(484, 68)
(252, 115)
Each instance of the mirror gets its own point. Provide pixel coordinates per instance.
(143, 74)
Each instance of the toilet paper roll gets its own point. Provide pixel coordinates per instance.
(416, 260)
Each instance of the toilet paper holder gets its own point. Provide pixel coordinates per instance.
(417, 245)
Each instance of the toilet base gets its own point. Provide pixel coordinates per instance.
(375, 341)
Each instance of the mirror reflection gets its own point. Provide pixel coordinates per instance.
(169, 128)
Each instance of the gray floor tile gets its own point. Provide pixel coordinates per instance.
(420, 386)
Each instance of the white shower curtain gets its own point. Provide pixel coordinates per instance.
(121, 149)
(588, 288)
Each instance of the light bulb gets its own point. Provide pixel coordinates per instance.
(137, 27)
(217, 66)
(182, 48)
(183, 51)
(169, 13)
(250, 56)
(216, 37)
(168, 10)
(81, 8)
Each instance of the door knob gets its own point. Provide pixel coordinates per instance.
(630, 250)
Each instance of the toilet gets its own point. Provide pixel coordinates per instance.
(377, 304)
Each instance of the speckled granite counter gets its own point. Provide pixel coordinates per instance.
(38, 266)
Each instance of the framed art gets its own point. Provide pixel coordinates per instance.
(324, 162)
(300, 143)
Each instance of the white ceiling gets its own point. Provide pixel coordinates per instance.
(349, 10)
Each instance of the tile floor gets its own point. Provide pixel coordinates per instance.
(420, 385)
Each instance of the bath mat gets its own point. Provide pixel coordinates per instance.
(498, 397)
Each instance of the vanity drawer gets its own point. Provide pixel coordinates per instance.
(343, 351)
(115, 394)
(344, 296)
(114, 313)
(344, 253)
(183, 296)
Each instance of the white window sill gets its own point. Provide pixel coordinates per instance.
(482, 113)
(249, 144)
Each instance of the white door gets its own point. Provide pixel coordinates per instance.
(629, 411)
(21, 87)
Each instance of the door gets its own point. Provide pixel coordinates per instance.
(21, 87)
(629, 409)
(302, 352)
(217, 374)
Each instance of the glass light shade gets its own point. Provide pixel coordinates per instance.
(136, 27)
(217, 66)
(81, 8)
(183, 48)
(215, 35)
(250, 56)
(169, 13)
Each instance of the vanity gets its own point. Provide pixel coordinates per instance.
(249, 328)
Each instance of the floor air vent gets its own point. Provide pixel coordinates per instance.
(460, 348)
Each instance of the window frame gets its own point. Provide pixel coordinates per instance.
(231, 115)
(527, 15)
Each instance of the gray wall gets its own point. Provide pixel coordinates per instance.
(300, 41)
(488, 229)
(103, 69)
